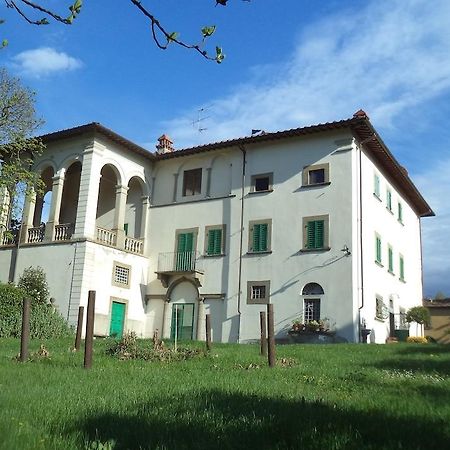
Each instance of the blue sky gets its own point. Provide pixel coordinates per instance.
(289, 63)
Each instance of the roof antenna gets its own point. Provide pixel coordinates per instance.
(200, 118)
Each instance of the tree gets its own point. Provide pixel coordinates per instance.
(418, 314)
(440, 296)
(18, 147)
(36, 14)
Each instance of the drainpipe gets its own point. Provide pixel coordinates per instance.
(241, 238)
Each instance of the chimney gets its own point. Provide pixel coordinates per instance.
(360, 114)
(165, 145)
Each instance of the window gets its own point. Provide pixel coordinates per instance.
(315, 233)
(389, 200)
(379, 308)
(259, 236)
(121, 275)
(316, 174)
(377, 249)
(401, 268)
(376, 185)
(400, 212)
(215, 240)
(258, 292)
(311, 309)
(125, 229)
(390, 259)
(262, 182)
(192, 182)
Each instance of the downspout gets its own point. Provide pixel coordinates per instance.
(241, 238)
(71, 280)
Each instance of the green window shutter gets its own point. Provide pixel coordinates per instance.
(181, 247)
(319, 233)
(389, 200)
(402, 268)
(376, 185)
(263, 237)
(378, 249)
(214, 242)
(400, 212)
(310, 235)
(391, 261)
(256, 234)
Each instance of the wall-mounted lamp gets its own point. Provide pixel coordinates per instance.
(346, 250)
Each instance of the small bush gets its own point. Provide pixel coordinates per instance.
(130, 348)
(34, 283)
(45, 321)
(416, 340)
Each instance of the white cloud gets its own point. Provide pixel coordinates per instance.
(388, 57)
(44, 61)
(434, 183)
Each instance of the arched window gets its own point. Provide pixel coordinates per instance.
(312, 289)
(311, 302)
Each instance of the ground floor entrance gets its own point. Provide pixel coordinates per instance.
(182, 321)
(117, 319)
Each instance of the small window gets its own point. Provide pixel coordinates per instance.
(378, 249)
(192, 182)
(315, 233)
(376, 185)
(316, 174)
(121, 275)
(401, 267)
(258, 292)
(379, 308)
(400, 212)
(125, 229)
(389, 200)
(260, 236)
(262, 182)
(311, 309)
(215, 240)
(390, 259)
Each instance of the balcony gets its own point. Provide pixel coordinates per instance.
(176, 263)
(109, 237)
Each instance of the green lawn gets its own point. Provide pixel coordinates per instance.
(333, 397)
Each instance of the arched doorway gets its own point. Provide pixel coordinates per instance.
(107, 197)
(133, 210)
(183, 304)
(69, 199)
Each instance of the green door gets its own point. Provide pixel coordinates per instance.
(185, 261)
(117, 319)
(182, 321)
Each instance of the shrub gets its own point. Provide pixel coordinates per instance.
(418, 314)
(45, 321)
(416, 340)
(34, 283)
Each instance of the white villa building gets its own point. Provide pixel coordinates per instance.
(322, 221)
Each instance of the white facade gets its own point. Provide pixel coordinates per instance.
(119, 224)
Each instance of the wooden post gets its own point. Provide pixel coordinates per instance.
(208, 332)
(89, 339)
(25, 337)
(79, 327)
(271, 335)
(263, 345)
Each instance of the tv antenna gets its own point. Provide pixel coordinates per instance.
(197, 123)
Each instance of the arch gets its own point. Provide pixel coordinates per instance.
(44, 164)
(134, 209)
(139, 177)
(71, 189)
(115, 167)
(43, 202)
(312, 289)
(106, 201)
(68, 161)
(178, 281)
(220, 176)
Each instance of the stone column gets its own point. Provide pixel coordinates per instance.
(28, 214)
(175, 187)
(201, 320)
(144, 221)
(166, 319)
(119, 214)
(55, 208)
(208, 182)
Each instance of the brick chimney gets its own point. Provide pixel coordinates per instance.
(165, 145)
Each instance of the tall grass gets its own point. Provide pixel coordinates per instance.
(327, 397)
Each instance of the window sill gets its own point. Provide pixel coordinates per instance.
(400, 222)
(378, 263)
(268, 191)
(391, 273)
(306, 186)
(265, 252)
(402, 280)
(379, 319)
(218, 255)
(377, 197)
(312, 250)
(389, 210)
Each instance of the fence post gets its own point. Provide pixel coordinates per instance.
(79, 327)
(208, 332)
(89, 339)
(25, 337)
(271, 335)
(263, 344)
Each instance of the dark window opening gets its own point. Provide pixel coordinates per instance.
(317, 176)
(192, 182)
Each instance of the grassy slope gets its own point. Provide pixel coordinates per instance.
(335, 397)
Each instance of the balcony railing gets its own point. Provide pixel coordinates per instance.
(179, 262)
(64, 231)
(107, 237)
(36, 234)
(8, 237)
(134, 245)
